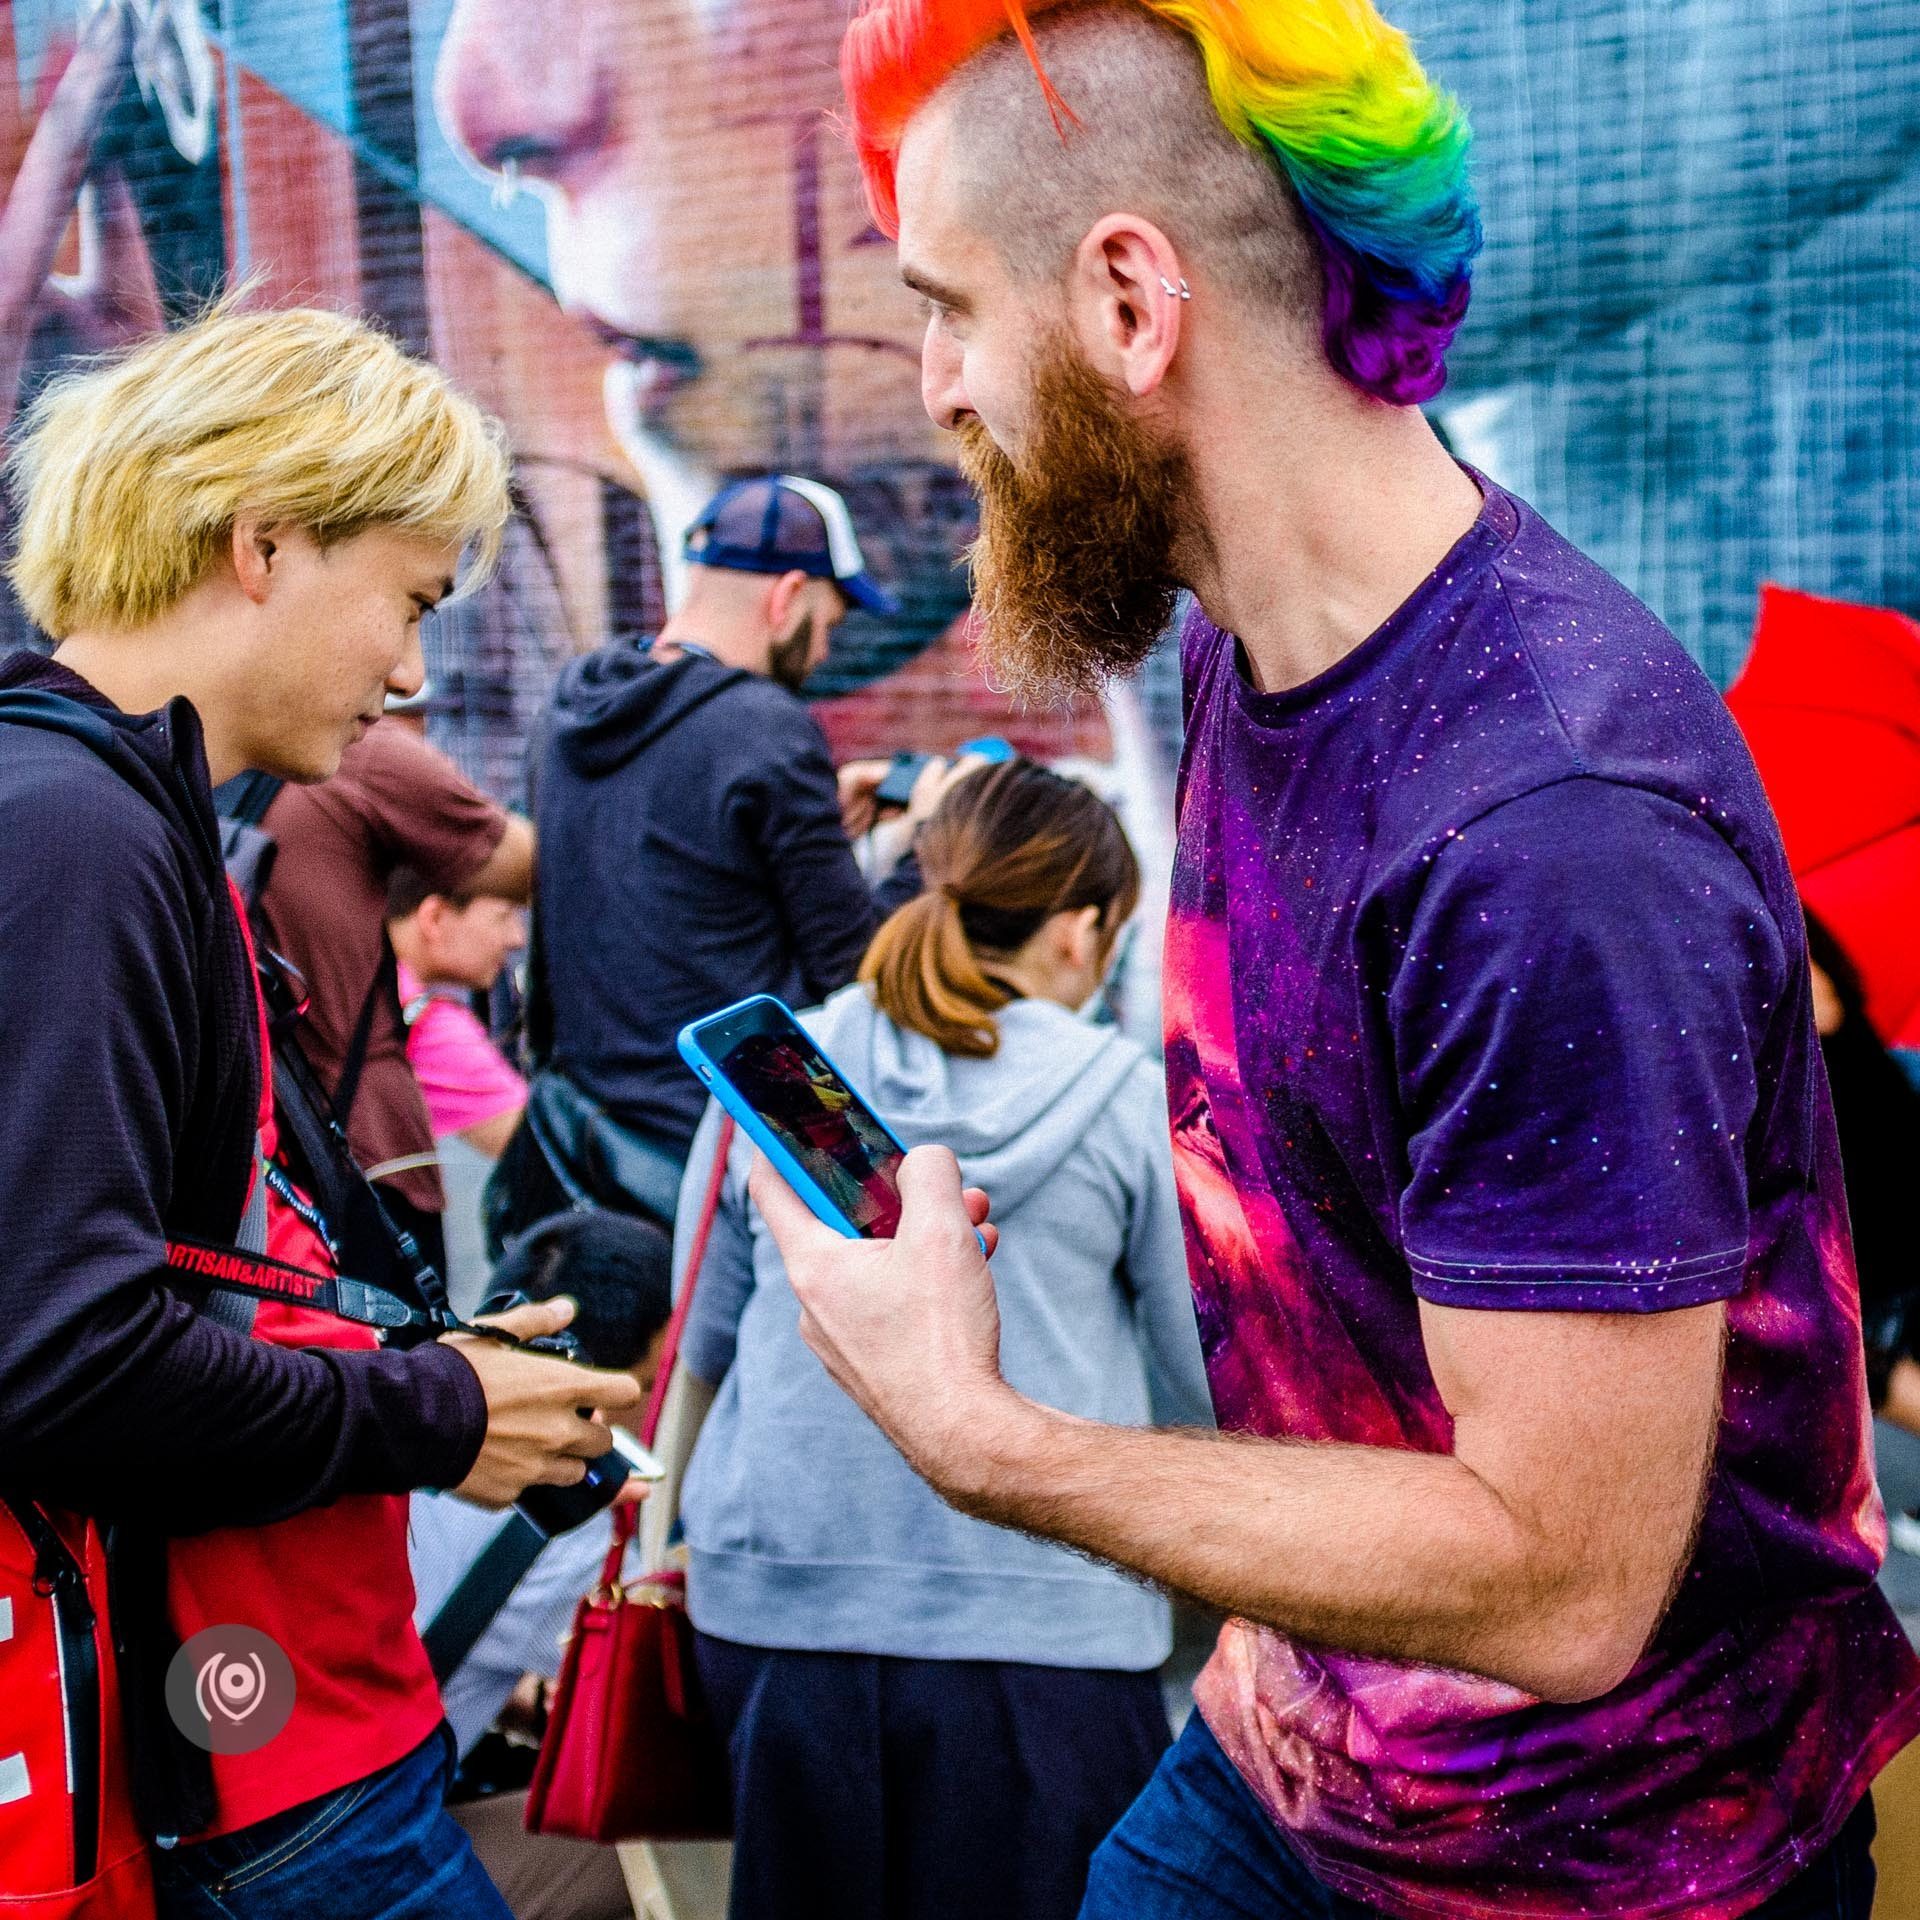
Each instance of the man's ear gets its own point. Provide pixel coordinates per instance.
(430, 917)
(782, 594)
(1129, 297)
(256, 550)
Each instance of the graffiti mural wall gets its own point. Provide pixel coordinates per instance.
(623, 224)
(1695, 339)
(630, 229)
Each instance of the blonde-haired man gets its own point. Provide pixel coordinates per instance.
(233, 534)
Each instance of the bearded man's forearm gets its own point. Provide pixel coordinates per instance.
(1405, 1555)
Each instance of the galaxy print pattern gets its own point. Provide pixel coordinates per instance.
(1309, 824)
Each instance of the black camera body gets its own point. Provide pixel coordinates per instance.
(557, 1510)
(895, 791)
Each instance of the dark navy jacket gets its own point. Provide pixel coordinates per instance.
(128, 1032)
(691, 853)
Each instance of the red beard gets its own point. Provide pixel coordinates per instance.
(1073, 572)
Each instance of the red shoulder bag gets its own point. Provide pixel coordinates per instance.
(630, 1751)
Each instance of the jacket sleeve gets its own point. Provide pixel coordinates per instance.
(794, 821)
(1156, 1267)
(725, 1279)
(116, 1397)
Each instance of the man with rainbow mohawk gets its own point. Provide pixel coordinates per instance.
(1375, 154)
(1544, 1518)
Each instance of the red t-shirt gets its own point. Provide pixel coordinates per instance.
(331, 1586)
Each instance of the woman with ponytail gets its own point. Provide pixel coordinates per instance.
(932, 1719)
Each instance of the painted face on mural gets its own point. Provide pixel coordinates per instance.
(535, 91)
(703, 215)
(647, 127)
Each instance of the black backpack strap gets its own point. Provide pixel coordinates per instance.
(246, 797)
(486, 1586)
(384, 991)
(245, 846)
(57, 713)
(368, 1240)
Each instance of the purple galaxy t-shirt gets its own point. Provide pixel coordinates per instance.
(1486, 985)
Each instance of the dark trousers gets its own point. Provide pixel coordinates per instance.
(1199, 1846)
(875, 1788)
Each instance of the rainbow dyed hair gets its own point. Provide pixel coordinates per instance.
(1376, 154)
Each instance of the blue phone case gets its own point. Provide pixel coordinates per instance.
(789, 1169)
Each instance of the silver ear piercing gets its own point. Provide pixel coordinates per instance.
(1181, 292)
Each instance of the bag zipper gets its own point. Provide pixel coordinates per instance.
(58, 1576)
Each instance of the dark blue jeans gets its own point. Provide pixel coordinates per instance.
(1198, 1846)
(384, 1848)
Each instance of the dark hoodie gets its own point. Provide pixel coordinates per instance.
(127, 1024)
(691, 853)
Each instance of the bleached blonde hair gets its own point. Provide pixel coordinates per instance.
(132, 470)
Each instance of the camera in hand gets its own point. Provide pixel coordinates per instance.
(895, 791)
(557, 1510)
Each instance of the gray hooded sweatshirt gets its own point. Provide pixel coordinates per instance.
(806, 1528)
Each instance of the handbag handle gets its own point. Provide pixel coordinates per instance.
(626, 1521)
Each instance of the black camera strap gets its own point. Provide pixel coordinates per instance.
(361, 1233)
(261, 1277)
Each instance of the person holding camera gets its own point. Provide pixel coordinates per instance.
(232, 534)
(694, 847)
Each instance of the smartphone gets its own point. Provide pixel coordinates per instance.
(642, 1462)
(793, 1103)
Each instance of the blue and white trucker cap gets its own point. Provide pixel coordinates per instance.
(782, 524)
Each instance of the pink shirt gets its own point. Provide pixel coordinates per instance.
(464, 1076)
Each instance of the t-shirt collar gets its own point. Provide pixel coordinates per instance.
(1410, 624)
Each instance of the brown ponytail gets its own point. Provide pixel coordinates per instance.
(1007, 849)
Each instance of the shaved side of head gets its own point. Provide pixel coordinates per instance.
(1145, 139)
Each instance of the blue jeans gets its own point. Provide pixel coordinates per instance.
(383, 1848)
(1198, 1846)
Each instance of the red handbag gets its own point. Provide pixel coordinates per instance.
(630, 1751)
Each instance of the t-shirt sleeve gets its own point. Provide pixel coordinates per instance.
(464, 1077)
(422, 811)
(1588, 974)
